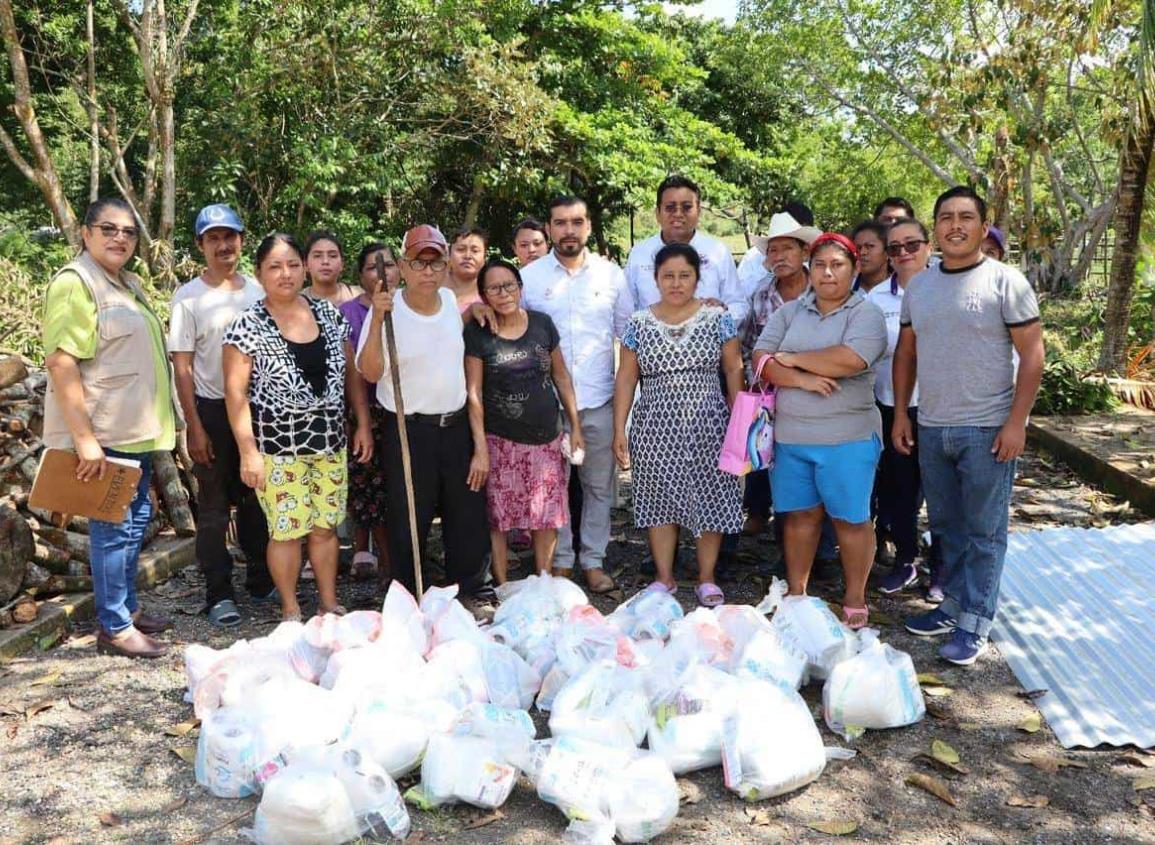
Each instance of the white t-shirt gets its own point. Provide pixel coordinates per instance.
(200, 316)
(719, 277)
(752, 270)
(430, 357)
(887, 295)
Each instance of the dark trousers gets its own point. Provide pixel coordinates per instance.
(757, 495)
(898, 490)
(219, 486)
(575, 510)
(440, 459)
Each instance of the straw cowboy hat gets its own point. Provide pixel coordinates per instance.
(783, 225)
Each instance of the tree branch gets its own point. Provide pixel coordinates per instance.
(890, 129)
(44, 174)
(17, 159)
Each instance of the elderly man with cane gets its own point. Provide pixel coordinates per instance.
(446, 453)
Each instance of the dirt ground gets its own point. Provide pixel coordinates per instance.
(90, 746)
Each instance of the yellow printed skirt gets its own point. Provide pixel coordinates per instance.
(303, 492)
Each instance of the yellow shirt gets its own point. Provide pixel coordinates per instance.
(70, 325)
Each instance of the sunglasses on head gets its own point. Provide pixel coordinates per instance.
(909, 247)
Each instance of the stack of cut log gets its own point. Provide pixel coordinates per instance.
(42, 553)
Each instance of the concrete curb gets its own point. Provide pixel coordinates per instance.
(1140, 493)
(165, 556)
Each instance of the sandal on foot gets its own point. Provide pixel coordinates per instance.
(364, 566)
(224, 614)
(659, 587)
(336, 610)
(598, 582)
(855, 618)
(709, 594)
(562, 572)
(295, 616)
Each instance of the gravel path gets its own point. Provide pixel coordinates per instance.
(89, 745)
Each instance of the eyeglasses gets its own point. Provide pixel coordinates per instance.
(909, 247)
(436, 265)
(673, 207)
(505, 287)
(111, 230)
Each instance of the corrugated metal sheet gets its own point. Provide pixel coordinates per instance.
(1077, 617)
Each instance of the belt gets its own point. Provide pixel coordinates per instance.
(438, 420)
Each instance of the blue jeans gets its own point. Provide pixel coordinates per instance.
(114, 551)
(968, 495)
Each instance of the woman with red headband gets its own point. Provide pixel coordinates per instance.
(827, 431)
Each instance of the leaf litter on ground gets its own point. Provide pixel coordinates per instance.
(1033, 801)
(1031, 724)
(933, 785)
(188, 753)
(183, 728)
(839, 827)
(1032, 694)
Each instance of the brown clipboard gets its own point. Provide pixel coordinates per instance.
(57, 488)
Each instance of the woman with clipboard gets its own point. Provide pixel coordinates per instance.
(109, 396)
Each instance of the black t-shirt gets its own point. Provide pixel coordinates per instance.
(517, 391)
(311, 361)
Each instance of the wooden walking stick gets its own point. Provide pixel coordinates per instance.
(403, 433)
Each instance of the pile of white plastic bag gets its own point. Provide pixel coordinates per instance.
(321, 719)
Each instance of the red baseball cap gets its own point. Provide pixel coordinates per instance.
(421, 238)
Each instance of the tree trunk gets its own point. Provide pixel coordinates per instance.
(41, 171)
(1136, 162)
(1000, 199)
(173, 493)
(93, 114)
(476, 193)
(16, 549)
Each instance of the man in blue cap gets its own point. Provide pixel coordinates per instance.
(202, 310)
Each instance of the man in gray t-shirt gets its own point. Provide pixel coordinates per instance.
(961, 322)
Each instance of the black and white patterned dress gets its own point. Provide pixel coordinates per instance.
(289, 417)
(679, 423)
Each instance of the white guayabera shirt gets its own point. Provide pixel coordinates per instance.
(719, 274)
(589, 308)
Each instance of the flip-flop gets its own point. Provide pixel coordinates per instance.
(659, 587)
(336, 610)
(364, 566)
(856, 618)
(224, 614)
(709, 594)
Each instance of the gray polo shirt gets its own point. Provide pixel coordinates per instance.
(849, 414)
(962, 321)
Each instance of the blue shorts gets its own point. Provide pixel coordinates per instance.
(840, 478)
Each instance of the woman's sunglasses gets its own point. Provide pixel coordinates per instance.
(909, 247)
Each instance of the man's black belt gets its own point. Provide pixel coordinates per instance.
(438, 420)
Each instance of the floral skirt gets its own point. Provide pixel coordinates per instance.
(527, 485)
(367, 481)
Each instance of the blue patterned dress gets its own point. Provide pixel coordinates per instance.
(679, 423)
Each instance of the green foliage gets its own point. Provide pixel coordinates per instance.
(20, 298)
(1067, 390)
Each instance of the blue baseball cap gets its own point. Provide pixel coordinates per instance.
(216, 216)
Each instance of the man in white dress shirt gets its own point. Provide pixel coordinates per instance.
(586, 297)
(678, 209)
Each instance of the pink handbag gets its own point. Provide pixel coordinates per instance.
(749, 443)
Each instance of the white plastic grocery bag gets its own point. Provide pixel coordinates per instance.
(809, 622)
(770, 744)
(877, 688)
